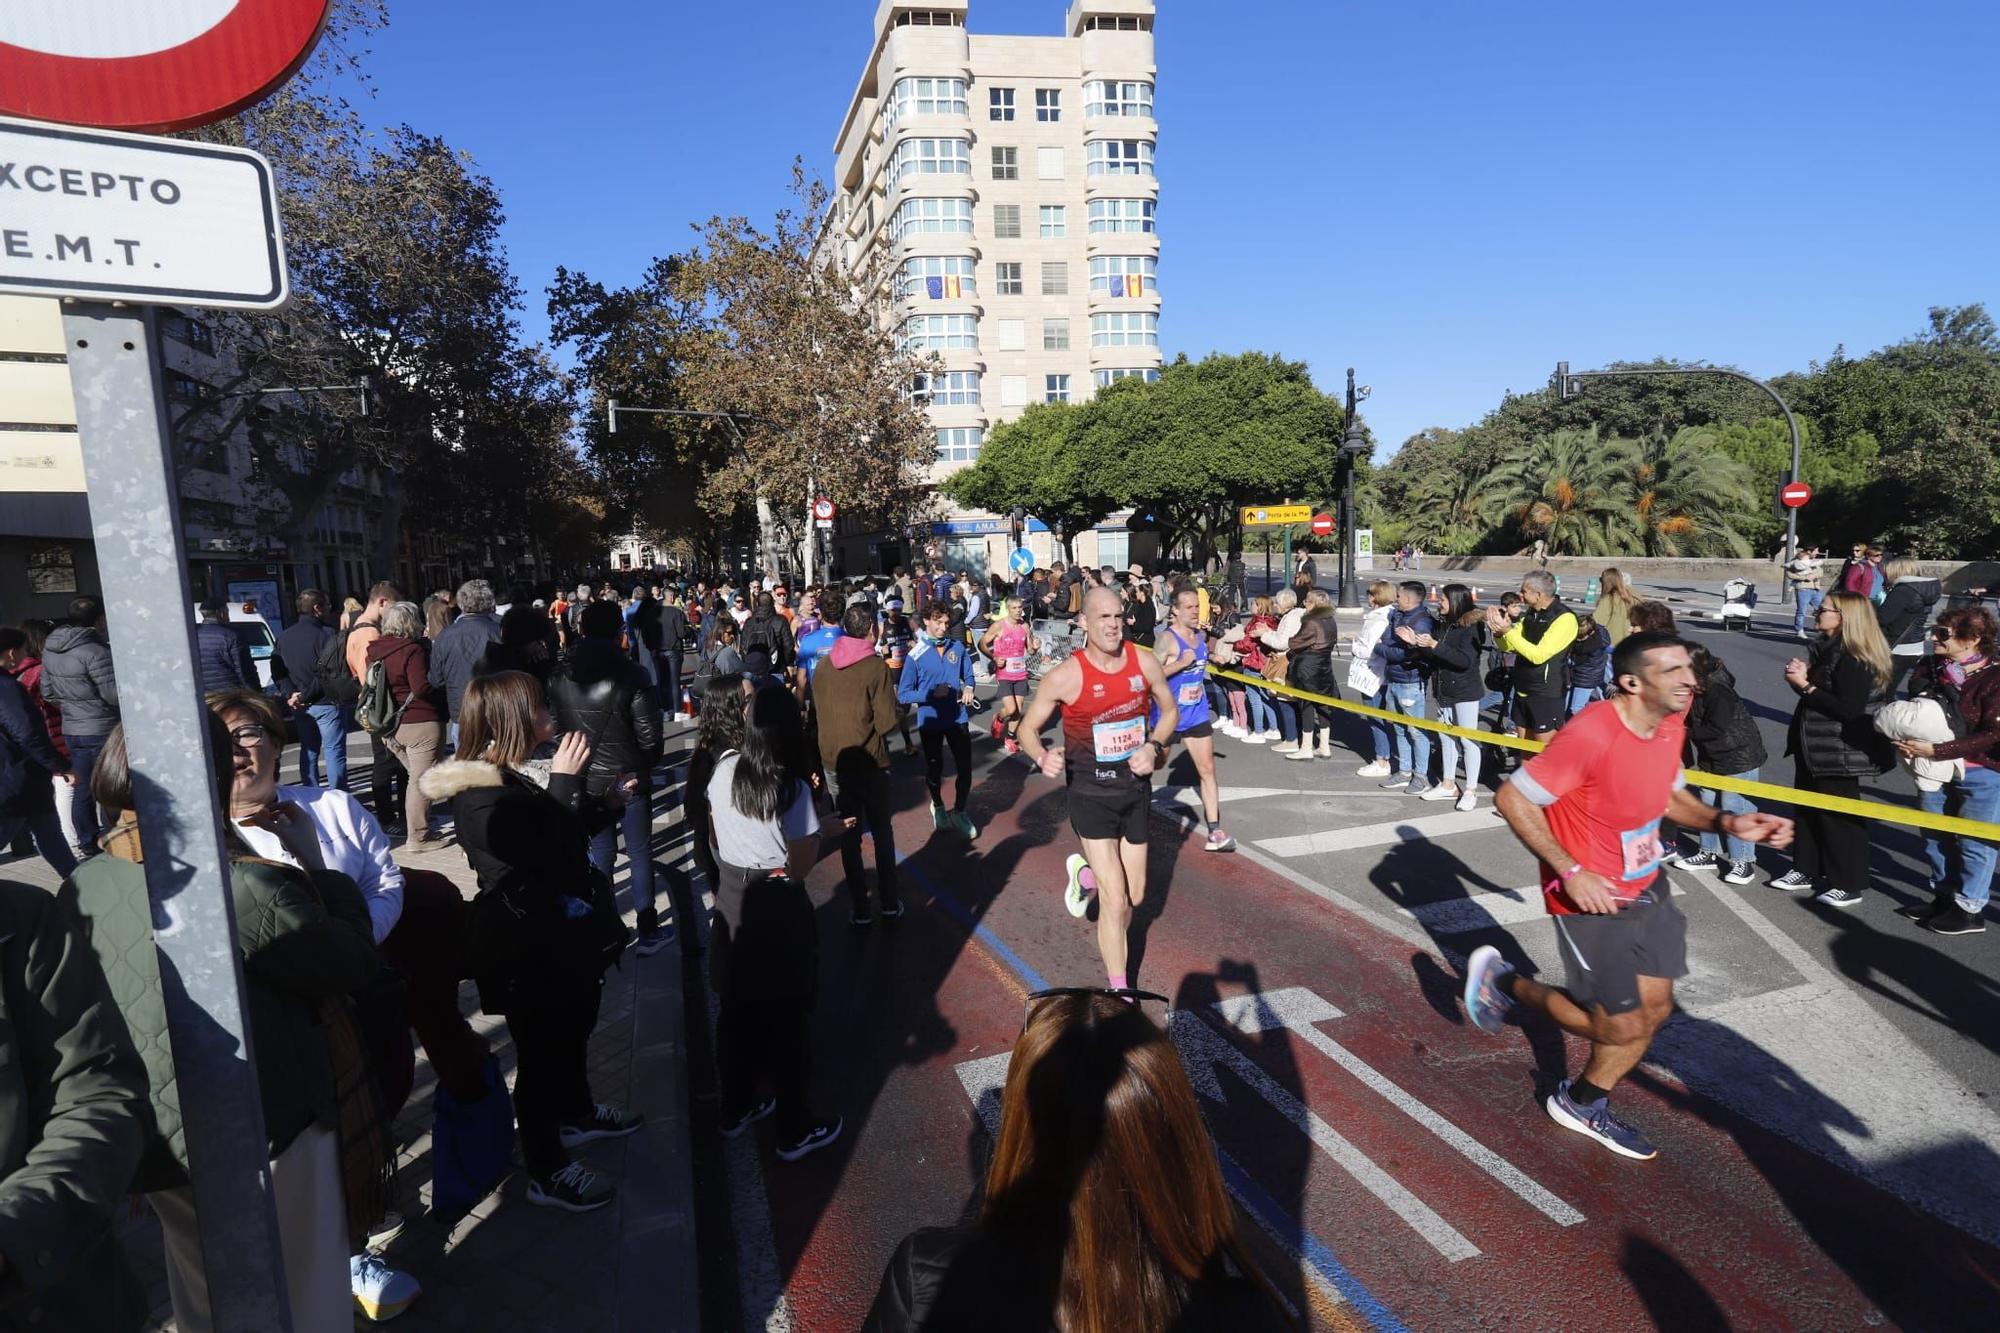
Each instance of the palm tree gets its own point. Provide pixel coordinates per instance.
(1688, 495)
(1447, 512)
(1571, 489)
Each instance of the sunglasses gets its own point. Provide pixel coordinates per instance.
(1115, 992)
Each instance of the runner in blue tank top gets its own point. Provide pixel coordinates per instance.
(1183, 652)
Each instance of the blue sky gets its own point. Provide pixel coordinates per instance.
(1449, 197)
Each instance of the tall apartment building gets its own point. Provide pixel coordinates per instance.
(999, 194)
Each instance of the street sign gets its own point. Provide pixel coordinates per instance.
(108, 216)
(1022, 562)
(1275, 516)
(824, 510)
(1794, 494)
(824, 524)
(149, 64)
(1322, 525)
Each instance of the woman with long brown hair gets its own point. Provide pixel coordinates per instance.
(1613, 608)
(1105, 1208)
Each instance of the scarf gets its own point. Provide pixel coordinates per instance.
(1956, 672)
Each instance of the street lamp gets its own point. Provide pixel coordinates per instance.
(1351, 448)
(1566, 387)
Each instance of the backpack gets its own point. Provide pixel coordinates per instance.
(336, 683)
(375, 707)
(768, 635)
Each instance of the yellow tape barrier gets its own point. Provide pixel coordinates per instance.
(1877, 810)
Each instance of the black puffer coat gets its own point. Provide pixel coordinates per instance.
(1720, 730)
(1832, 735)
(1906, 609)
(604, 694)
(1459, 650)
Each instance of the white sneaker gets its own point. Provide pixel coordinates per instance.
(1273, 734)
(380, 1292)
(1252, 737)
(1378, 768)
(1469, 801)
(1443, 791)
(1286, 748)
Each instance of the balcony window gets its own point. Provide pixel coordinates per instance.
(951, 388)
(1124, 275)
(1108, 216)
(1117, 23)
(937, 333)
(959, 444)
(1055, 388)
(999, 103)
(1108, 98)
(1048, 105)
(927, 18)
(931, 157)
(937, 278)
(1006, 164)
(1106, 378)
(924, 97)
(919, 217)
(1125, 330)
(1054, 222)
(1119, 157)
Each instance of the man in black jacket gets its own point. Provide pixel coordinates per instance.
(320, 723)
(221, 659)
(673, 631)
(606, 696)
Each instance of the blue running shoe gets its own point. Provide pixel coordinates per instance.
(1484, 1004)
(1597, 1121)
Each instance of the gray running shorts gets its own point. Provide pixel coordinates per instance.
(1606, 955)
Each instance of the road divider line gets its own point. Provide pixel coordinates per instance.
(1876, 810)
(1297, 1009)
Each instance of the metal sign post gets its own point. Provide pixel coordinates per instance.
(135, 520)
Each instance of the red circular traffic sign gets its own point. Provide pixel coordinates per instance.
(149, 65)
(1794, 494)
(1322, 525)
(823, 509)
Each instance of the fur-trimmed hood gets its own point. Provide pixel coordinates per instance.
(456, 776)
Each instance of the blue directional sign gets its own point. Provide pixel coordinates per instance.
(1022, 562)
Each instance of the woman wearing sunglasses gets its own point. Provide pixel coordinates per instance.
(1104, 1207)
(1960, 672)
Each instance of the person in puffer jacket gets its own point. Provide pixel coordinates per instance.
(937, 678)
(1724, 740)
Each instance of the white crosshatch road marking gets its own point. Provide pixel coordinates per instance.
(1381, 835)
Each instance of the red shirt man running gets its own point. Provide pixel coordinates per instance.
(1107, 757)
(1589, 807)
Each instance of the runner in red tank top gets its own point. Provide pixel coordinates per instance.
(1107, 757)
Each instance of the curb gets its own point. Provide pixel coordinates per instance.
(658, 1284)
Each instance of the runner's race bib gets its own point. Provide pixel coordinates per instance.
(1190, 693)
(1642, 850)
(1012, 665)
(1116, 741)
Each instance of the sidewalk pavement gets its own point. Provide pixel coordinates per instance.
(508, 1266)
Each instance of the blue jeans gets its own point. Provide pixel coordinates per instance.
(1461, 715)
(83, 752)
(636, 827)
(1805, 606)
(1263, 717)
(322, 729)
(670, 683)
(1413, 744)
(1378, 730)
(451, 736)
(1976, 797)
(48, 834)
(1582, 696)
(1732, 803)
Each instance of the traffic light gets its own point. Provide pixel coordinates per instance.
(1566, 385)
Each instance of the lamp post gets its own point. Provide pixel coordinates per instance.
(1567, 388)
(1351, 448)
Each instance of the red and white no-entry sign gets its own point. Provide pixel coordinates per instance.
(1322, 525)
(1794, 494)
(148, 64)
(823, 509)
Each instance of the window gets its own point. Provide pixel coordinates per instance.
(959, 444)
(185, 388)
(1107, 98)
(1000, 103)
(1055, 279)
(952, 388)
(1124, 275)
(917, 217)
(1013, 335)
(930, 333)
(1119, 157)
(1007, 222)
(1106, 378)
(1055, 388)
(1006, 164)
(1119, 215)
(1055, 222)
(1007, 280)
(1119, 23)
(1013, 391)
(935, 278)
(1048, 105)
(1055, 335)
(924, 97)
(927, 18)
(1133, 330)
(1049, 164)
(930, 157)
(193, 332)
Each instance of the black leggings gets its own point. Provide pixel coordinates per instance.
(1315, 674)
(551, 1023)
(935, 739)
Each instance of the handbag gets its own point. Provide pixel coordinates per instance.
(1276, 667)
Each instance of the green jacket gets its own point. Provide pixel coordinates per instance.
(303, 936)
(72, 1125)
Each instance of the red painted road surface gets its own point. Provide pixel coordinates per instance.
(1730, 1227)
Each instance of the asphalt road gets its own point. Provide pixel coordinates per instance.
(1824, 1100)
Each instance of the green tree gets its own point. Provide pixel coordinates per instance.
(1042, 464)
(1572, 490)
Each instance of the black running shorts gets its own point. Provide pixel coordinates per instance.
(1539, 712)
(1125, 815)
(1200, 731)
(1606, 955)
(1013, 689)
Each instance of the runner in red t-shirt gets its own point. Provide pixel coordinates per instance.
(1107, 757)
(1589, 807)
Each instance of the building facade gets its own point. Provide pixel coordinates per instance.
(998, 196)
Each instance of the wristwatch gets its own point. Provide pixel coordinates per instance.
(1159, 751)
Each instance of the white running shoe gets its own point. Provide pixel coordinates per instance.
(1077, 895)
(1469, 801)
(1254, 738)
(1441, 791)
(1378, 768)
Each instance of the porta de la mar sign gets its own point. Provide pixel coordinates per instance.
(119, 217)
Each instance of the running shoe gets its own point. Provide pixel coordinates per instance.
(1219, 841)
(734, 1128)
(1701, 861)
(1469, 801)
(606, 1122)
(1837, 897)
(1395, 782)
(1924, 911)
(1418, 785)
(1792, 880)
(1255, 738)
(1597, 1121)
(575, 1189)
(892, 910)
(1305, 752)
(1954, 920)
(940, 817)
(1378, 768)
(1485, 1004)
(811, 1141)
(1740, 872)
(1440, 791)
(1077, 895)
(999, 725)
(654, 940)
(380, 1292)
(961, 824)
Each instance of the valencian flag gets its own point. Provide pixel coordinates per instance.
(941, 288)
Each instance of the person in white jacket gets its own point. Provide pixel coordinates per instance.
(1367, 674)
(1285, 606)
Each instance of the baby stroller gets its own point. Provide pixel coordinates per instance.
(1739, 600)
